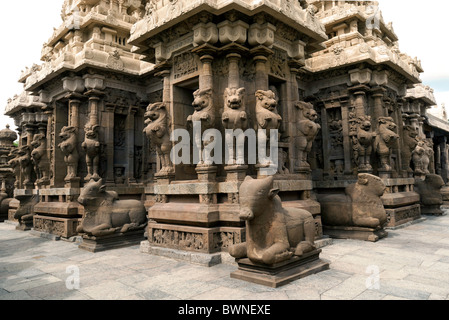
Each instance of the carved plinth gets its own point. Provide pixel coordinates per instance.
(282, 273)
(236, 172)
(445, 195)
(63, 227)
(194, 239)
(164, 177)
(115, 241)
(206, 173)
(303, 173)
(403, 215)
(72, 183)
(355, 233)
(432, 210)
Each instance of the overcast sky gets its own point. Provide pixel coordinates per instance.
(420, 26)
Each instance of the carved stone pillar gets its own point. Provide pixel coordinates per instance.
(379, 110)
(109, 136)
(130, 121)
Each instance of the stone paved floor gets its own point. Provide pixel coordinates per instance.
(412, 263)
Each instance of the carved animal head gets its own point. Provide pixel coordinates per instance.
(38, 140)
(388, 123)
(67, 133)
(307, 110)
(374, 184)
(266, 99)
(202, 99)
(94, 194)
(410, 131)
(234, 97)
(255, 196)
(92, 132)
(365, 123)
(155, 111)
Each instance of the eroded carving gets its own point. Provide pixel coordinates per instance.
(385, 141)
(105, 214)
(307, 132)
(273, 233)
(234, 118)
(69, 147)
(157, 131)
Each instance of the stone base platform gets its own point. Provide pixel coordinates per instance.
(282, 273)
(115, 241)
(25, 226)
(432, 210)
(202, 259)
(403, 215)
(355, 233)
(64, 227)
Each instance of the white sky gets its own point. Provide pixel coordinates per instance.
(420, 26)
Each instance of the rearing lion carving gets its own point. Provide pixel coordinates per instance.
(157, 131)
(40, 158)
(385, 140)
(69, 147)
(234, 117)
(204, 114)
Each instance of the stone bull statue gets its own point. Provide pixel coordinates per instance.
(360, 206)
(106, 215)
(274, 234)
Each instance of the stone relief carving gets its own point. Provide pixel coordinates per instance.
(273, 233)
(235, 117)
(69, 148)
(40, 159)
(307, 132)
(14, 164)
(360, 206)
(410, 141)
(267, 117)
(26, 165)
(105, 214)
(157, 131)
(421, 156)
(91, 146)
(205, 114)
(385, 140)
(363, 144)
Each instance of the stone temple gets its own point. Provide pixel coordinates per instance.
(98, 124)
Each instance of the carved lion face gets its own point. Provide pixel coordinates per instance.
(234, 97)
(155, 110)
(267, 99)
(202, 99)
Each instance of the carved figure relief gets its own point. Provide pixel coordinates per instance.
(410, 142)
(421, 156)
(69, 148)
(105, 214)
(385, 140)
(234, 117)
(363, 144)
(273, 233)
(14, 164)
(91, 146)
(205, 114)
(360, 206)
(307, 132)
(40, 158)
(157, 131)
(267, 117)
(25, 162)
